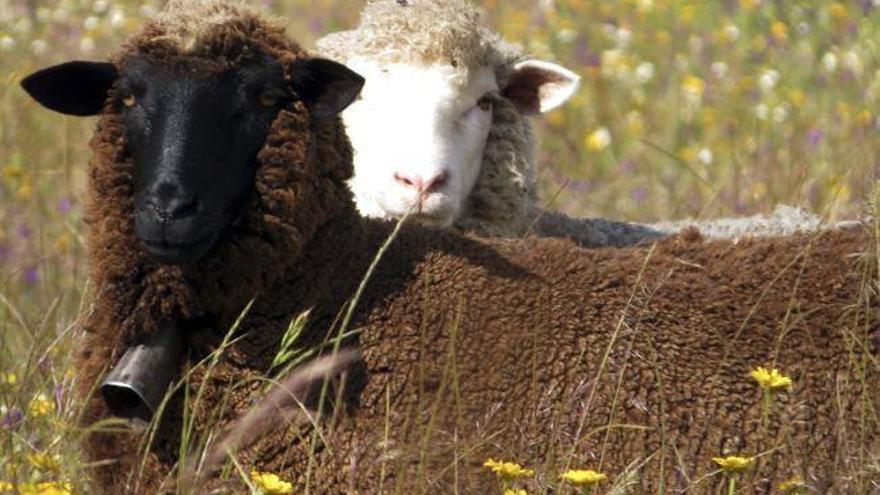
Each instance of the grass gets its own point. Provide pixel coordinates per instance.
(703, 109)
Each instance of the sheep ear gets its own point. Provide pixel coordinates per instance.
(326, 87)
(72, 88)
(536, 86)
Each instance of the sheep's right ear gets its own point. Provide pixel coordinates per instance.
(72, 88)
(326, 87)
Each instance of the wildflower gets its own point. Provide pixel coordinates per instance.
(49, 488)
(270, 483)
(62, 243)
(599, 140)
(829, 61)
(5, 486)
(693, 86)
(43, 461)
(8, 378)
(838, 11)
(583, 477)
(793, 486)
(11, 172)
(25, 192)
(768, 80)
(7, 43)
(706, 156)
(797, 98)
(749, 4)
(41, 406)
(645, 72)
(10, 419)
(770, 379)
(866, 118)
(508, 470)
(779, 31)
(734, 464)
(511, 491)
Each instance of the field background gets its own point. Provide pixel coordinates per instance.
(688, 108)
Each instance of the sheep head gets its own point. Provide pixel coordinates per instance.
(216, 158)
(194, 124)
(453, 99)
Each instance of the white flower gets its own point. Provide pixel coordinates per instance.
(61, 16)
(706, 156)
(645, 72)
(762, 112)
(7, 43)
(87, 44)
(768, 80)
(91, 23)
(780, 113)
(39, 47)
(719, 70)
(732, 32)
(566, 35)
(100, 6)
(852, 62)
(623, 36)
(117, 18)
(147, 11)
(829, 61)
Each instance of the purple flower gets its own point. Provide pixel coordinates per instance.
(24, 231)
(12, 419)
(31, 276)
(65, 205)
(639, 195)
(815, 136)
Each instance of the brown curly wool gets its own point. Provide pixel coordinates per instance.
(528, 350)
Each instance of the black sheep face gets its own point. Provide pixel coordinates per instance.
(193, 132)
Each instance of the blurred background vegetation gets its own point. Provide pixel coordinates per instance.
(688, 108)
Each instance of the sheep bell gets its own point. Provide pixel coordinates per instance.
(135, 388)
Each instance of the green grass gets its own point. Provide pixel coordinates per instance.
(712, 108)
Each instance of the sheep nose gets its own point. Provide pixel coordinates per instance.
(420, 184)
(170, 202)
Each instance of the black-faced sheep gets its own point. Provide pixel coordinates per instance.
(533, 350)
(456, 141)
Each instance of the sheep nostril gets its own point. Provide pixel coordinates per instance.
(173, 208)
(413, 182)
(437, 182)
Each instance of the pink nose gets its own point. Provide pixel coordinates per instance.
(420, 184)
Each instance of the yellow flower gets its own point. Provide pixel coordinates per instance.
(51, 488)
(271, 484)
(838, 11)
(62, 243)
(6, 487)
(866, 118)
(11, 172)
(41, 406)
(797, 98)
(510, 491)
(44, 461)
(25, 192)
(694, 86)
(598, 140)
(734, 464)
(770, 379)
(8, 378)
(779, 31)
(793, 486)
(508, 470)
(582, 477)
(749, 4)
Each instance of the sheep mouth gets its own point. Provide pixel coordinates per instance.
(178, 252)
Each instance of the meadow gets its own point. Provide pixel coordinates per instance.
(688, 109)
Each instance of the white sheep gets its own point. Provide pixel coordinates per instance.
(442, 127)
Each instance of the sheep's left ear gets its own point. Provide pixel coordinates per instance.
(536, 86)
(326, 87)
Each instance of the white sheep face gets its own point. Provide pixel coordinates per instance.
(419, 131)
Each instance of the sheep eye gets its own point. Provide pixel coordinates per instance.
(485, 104)
(269, 99)
(129, 101)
